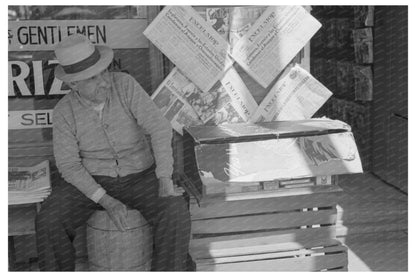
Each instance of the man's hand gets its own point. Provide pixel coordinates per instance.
(116, 210)
(167, 188)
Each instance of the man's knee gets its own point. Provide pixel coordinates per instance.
(176, 206)
(50, 213)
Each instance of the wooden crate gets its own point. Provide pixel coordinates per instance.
(292, 231)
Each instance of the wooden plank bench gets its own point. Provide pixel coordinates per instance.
(291, 231)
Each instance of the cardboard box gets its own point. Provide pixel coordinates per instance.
(216, 156)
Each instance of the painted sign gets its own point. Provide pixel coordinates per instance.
(42, 35)
(30, 119)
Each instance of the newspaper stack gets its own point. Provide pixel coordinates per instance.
(29, 184)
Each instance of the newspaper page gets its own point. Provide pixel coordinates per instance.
(296, 95)
(191, 44)
(177, 111)
(29, 184)
(241, 20)
(228, 100)
(273, 41)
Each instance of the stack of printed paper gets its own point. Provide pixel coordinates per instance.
(29, 184)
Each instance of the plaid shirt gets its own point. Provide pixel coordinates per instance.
(115, 145)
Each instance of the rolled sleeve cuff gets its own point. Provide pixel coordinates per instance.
(97, 195)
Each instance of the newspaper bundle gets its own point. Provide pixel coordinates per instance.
(191, 44)
(273, 41)
(29, 184)
(227, 101)
(296, 95)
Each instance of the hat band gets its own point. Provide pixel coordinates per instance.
(84, 64)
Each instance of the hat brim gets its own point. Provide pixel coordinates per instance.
(106, 56)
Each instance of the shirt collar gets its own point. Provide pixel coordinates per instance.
(87, 103)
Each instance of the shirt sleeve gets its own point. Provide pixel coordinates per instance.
(68, 161)
(152, 120)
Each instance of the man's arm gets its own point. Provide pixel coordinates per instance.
(152, 120)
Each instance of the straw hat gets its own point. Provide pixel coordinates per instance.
(79, 59)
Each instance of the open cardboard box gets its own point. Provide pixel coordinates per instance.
(217, 156)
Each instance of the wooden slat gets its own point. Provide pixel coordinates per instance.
(263, 222)
(358, 215)
(313, 263)
(207, 247)
(382, 226)
(215, 199)
(265, 248)
(273, 255)
(251, 206)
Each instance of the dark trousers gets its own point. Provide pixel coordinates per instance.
(67, 208)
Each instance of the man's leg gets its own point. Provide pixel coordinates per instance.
(61, 213)
(170, 219)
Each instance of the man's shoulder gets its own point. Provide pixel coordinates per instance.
(64, 105)
(126, 83)
(122, 77)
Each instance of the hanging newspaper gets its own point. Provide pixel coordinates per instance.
(227, 101)
(173, 107)
(191, 44)
(29, 184)
(296, 95)
(273, 41)
(241, 20)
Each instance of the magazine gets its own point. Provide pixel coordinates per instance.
(363, 83)
(219, 19)
(363, 45)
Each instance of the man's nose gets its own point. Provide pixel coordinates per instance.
(102, 81)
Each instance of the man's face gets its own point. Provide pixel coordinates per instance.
(93, 89)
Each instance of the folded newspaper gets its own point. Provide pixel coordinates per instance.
(296, 95)
(29, 184)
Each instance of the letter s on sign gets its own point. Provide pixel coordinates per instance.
(27, 117)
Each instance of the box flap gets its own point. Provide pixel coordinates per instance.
(265, 130)
(297, 157)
